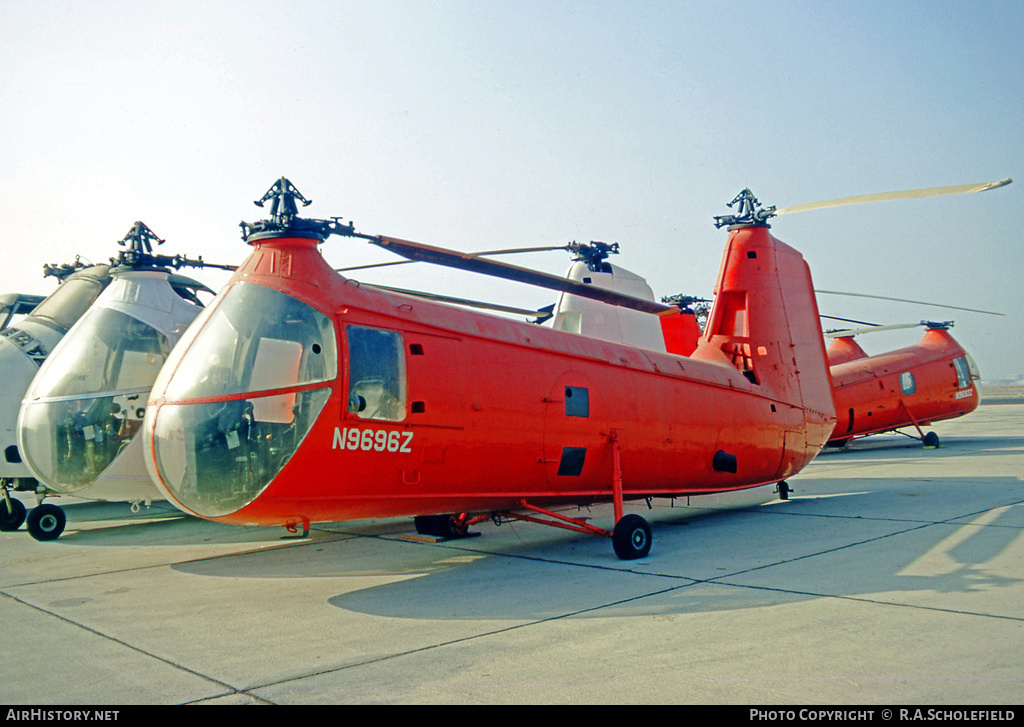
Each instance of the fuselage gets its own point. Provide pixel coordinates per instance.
(301, 396)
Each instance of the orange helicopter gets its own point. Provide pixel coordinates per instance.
(302, 396)
(933, 380)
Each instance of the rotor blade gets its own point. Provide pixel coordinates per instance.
(887, 196)
(508, 251)
(458, 301)
(872, 329)
(904, 300)
(848, 320)
(472, 263)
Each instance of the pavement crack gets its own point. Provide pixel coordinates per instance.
(122, 643)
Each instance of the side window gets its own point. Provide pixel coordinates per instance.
(376, 374)
(907, 383)
(963, 373)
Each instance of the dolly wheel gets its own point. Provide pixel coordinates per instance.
(631, 537)
(46, 522)
(13, 518)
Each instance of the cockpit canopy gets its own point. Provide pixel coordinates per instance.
(256, 339)
(240, 396)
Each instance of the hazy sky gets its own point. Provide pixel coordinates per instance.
(489, 124)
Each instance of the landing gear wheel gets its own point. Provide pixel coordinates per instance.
(13, 518)
(784, 490)
(631, 537)
(931, 440)
(46, 522)
(448, 527)
(453, 527)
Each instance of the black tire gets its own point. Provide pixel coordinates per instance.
(46, 522)
(424, 524)
(439, 526)
(784, 490)
(11, 519)
(931, 439)
(631, 537)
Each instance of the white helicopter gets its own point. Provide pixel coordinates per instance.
(25, 343)
(78, 419)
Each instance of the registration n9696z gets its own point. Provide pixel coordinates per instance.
(372, 440)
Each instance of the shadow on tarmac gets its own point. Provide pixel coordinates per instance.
(924, 537)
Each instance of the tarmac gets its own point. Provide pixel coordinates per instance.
(893, 575)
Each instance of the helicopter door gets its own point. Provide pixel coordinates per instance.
(376, 374)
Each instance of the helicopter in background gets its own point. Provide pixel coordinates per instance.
(17, 305)
(676, 330)
(914, 386)
(79, 417)
(24, 346)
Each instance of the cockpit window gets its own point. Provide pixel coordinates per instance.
(376, 375)
(963, 373)
(256, 339)
(216, 457)
(110, 351)
(66, 304)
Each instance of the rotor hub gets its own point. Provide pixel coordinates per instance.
(284, 217)
(750, 213)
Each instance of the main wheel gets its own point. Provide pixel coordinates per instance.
(46, 522)
(931, 440)
(13, 518)
(631, 537)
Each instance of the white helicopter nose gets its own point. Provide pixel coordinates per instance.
(85, 406)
